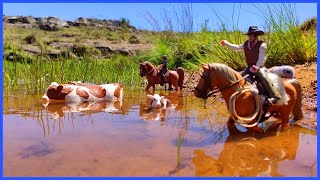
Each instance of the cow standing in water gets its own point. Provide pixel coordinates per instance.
(81, 92)
(158, 101)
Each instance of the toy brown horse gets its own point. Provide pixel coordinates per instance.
(222, 78)
(174, 78)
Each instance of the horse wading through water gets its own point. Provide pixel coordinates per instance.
(174, 78)
(243, 102)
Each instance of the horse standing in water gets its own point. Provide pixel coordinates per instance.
(174, 78)
(219, 77)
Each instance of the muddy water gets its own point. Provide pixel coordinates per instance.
(126, 139)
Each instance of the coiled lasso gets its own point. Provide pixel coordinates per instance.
(243, 121)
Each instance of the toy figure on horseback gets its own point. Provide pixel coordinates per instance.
(163, 70)
(256, 92)
(255, 54)
(161, 75)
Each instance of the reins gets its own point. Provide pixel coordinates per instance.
(243, 121)
(150, 71)
(225, 88)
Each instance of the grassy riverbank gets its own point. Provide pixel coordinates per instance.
(35, 57)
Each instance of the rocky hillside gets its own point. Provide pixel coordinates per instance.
(55, 24)
(56, 38)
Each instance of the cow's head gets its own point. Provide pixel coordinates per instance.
(56, 92)
(156, 100)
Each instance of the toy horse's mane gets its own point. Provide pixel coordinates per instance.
(222, 69)
(148, 63)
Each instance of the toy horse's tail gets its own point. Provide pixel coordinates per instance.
(180, 71)
(297, 108)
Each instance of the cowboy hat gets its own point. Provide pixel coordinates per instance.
(254, 30)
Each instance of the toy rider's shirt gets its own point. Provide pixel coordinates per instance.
(164, 68)
(255, 55)
(164, 64)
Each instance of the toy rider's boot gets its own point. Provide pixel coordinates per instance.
(273, 94)
(162, 79)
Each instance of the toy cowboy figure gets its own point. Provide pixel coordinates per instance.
(255, 54)
(164, 69)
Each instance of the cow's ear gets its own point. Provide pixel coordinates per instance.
(149, 96)
(59, 88)
(162, 97)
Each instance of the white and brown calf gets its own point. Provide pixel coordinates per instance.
(158, 101)
(81, 92)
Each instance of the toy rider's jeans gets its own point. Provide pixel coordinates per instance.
(162, 75)
(247, 71)
(264, 81)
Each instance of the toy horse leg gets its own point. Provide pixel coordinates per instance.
(231, 126)
(148, 87)
(176, 86)
(256, 129)
(170, 86)
(284, 121)
(154, 87)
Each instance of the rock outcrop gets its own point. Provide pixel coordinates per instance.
(74, 44)
(54, 24)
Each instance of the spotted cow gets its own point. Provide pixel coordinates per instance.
(81, 92)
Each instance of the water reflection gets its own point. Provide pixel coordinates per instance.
(160, 114)
(246, 155)
(58, 110)
(192, 141)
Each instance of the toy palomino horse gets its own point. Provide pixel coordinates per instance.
(245, 106)
(174, 78)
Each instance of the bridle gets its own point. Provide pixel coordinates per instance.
(243, 121)
(216, 90)
(147, 73)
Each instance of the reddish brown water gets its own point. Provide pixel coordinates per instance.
(125, 139)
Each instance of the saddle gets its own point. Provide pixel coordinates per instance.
(254, 81)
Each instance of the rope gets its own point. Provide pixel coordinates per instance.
(243, 121)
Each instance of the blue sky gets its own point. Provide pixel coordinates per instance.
(245, 14)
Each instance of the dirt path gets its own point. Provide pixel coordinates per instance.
(307, 76)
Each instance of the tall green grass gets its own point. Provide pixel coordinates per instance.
(287, 43)
(35, 77)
